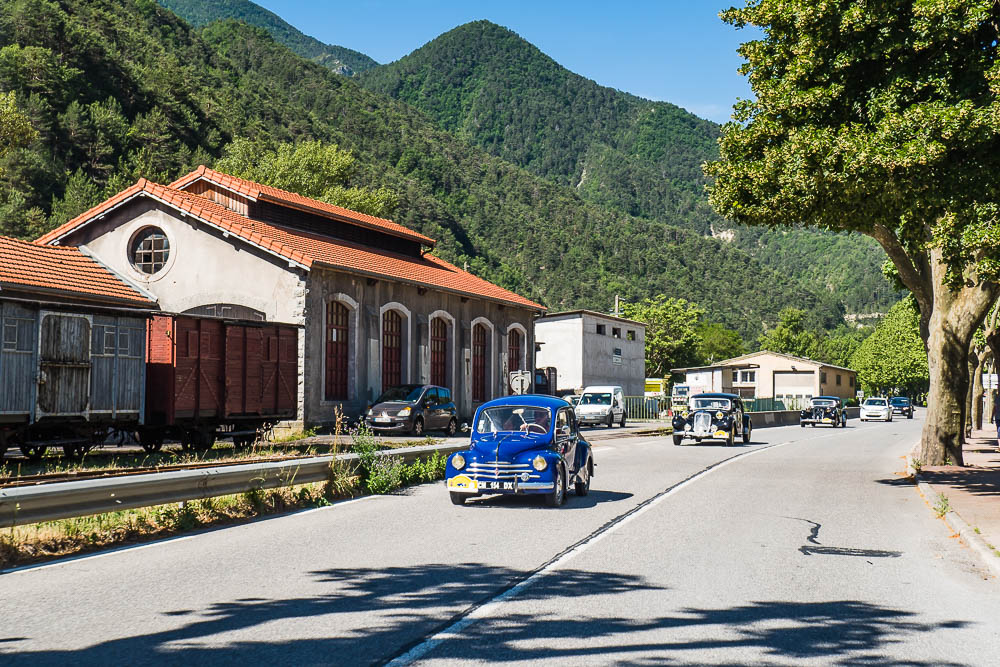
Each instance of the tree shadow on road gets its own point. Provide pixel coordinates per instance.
(360, 616)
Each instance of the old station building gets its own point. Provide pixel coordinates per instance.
(376, 308)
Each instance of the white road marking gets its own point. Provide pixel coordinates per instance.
(488, 608)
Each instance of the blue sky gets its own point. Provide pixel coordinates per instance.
(672, 50)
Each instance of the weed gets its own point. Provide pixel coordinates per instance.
(916, 464)
(941, 505)
(978, 532)
(297, 435)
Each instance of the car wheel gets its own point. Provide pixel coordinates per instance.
(452, 428)
(678, 439)
(558, 495)
(909, 416)
(418, 427)
(802, 424)
(457, 498)
(622, 422)
(611, 420)
(746, 434)
(583, 488)
(731, 438)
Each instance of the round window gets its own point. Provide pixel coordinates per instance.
(150, 250)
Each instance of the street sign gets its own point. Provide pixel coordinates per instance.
(520, 382)
(860, 394)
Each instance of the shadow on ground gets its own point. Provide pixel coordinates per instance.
(391, 609)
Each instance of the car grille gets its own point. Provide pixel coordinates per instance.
(500, 471)
(818, 413)
(702, 422)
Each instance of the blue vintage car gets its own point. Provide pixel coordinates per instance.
(526, 444)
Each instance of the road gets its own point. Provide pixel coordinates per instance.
(803, 547)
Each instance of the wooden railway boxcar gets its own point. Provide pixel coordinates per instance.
(208, 376)
(67, 374)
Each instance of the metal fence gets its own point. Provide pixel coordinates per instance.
(647, 408)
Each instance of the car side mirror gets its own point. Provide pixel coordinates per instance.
(563, 431)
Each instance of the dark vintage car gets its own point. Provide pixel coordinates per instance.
(713, 417)
(901, 405)
(528, 444)
(824, 410)
(413, 408)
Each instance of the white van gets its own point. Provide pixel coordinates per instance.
(601, 405)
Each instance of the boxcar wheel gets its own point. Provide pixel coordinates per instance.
(150, 442)
(558, 495)
(34, 453)
(74, 452)
(457, 498)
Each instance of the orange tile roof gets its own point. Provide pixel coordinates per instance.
(64, 269)
(308, 249)
(283, 197)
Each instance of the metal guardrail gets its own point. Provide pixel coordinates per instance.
(64, 500)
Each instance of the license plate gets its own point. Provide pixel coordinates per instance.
(827, 420)
(383, 420)
(497, 486)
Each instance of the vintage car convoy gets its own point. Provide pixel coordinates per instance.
(824, 410)
(713, 417)
(527, 444)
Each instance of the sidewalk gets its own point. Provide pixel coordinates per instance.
(973, 490)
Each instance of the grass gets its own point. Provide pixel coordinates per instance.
(377, 473)
(941, 505)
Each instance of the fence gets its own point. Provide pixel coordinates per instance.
(646, 408)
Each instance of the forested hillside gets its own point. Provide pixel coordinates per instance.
(499, 92)
(119, 90)
(200, 13)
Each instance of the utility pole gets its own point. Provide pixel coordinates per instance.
(618, 312)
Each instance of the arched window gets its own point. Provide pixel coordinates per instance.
(479, 363)
(337, 317)
(515, 345)
(439, 352)
(392, 349)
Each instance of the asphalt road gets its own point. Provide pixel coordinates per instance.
(803, 547)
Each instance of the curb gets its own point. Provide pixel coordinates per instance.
(960, 526)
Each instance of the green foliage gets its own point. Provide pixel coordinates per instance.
(622, 152)
(717, 343)
(893, 358)
(671, 333)
(309, 168)
(838, 346)
(905, 151)
(338, 58)
(130, 90)
(15, 128)
(791, 336)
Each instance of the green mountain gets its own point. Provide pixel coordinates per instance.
(497, 91)
(200, 13)
(119, 89)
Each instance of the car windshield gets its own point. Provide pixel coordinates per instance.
(513, 418)
(574, 400)
(404, 393)
(823, 403)
(596, 399)
(709, 403)
(899, 400)
(876, 402)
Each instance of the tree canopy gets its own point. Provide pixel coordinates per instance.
(671, 333)
(893, 359)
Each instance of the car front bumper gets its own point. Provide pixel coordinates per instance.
(398, 425)
(477, 487)
(593, 418)
(810, 420)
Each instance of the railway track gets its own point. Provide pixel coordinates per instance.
(98, 473)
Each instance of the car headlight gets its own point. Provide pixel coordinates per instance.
(457, 461)
(718, 415)
(370, 412)
(539, 463)
(684, 414)
(405, 412)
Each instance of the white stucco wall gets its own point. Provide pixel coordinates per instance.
(562, 347)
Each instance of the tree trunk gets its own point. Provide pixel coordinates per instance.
(978, 392)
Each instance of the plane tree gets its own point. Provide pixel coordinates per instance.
(881, 118)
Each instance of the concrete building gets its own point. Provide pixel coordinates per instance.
(590, 348)
(783, 377)
(375, 306)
